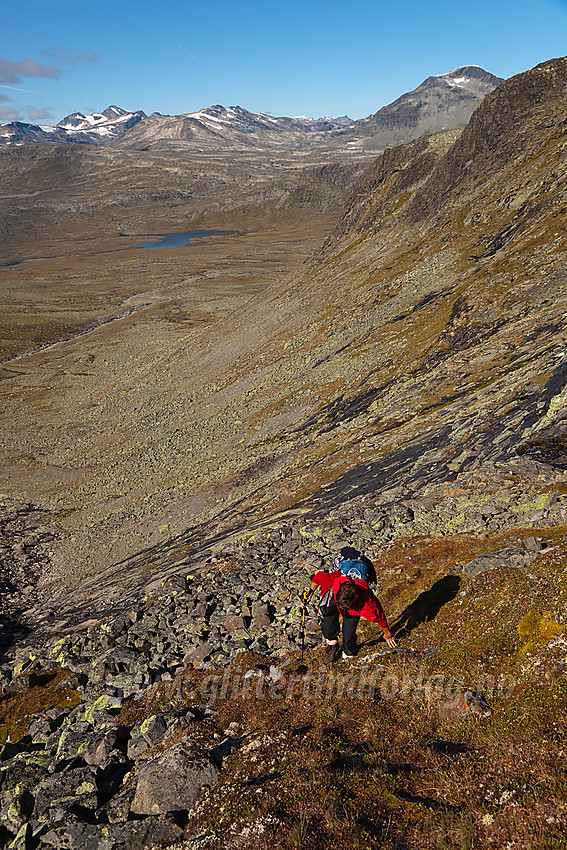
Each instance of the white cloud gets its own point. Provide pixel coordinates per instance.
(12, 72)
(8, 113)
(37, 113)
(66, 56)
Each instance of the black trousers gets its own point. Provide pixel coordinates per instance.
(330, 628)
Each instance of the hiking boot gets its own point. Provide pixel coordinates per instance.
(347, 657)
(330, 652)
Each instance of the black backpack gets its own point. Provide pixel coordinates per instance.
(327, 604)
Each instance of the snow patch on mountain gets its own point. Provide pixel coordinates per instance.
(98, 128)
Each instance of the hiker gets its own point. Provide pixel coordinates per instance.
(349, 595)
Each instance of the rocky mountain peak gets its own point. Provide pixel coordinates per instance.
(467, 76)
(113, 112)
(111, 116)
(442, 102)
(500, 130)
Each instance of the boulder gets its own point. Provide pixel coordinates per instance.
(234, 623)
(261, 621)
(119, 836)
(512, 556)
(530, 544)
(198, 654)
(111, 772)
(19, 685)
(71, 743)
(150, 832)
(147, 735)
(118, 807)
(18, 781)
(76, 786)
(172, 781)
(154, 728)
(23, 839)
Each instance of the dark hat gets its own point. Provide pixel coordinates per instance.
(350, 553)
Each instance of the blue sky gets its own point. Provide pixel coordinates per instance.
(301, 57)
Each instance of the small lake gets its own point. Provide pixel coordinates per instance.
(179, 240)
(159, 240)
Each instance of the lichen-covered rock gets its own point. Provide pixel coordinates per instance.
(23, 839)
(19, 684)
(132, 835)
(118, 807)
(99, 748)
(75, 786)
(19, 778)
(172, 781)
(154, 728)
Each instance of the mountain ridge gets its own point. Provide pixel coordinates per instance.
(96, 129)
(439, 103)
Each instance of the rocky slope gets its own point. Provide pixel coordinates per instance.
(140, 729)
(418, 320)
(442, 102)
(404, 392)
(425, 340)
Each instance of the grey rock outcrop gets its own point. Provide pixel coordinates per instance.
(172, 781)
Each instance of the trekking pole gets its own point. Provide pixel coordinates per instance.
(304, 597)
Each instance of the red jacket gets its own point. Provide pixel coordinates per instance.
(370, 608)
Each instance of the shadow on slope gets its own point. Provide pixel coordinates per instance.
(11, 629)
(426, 606)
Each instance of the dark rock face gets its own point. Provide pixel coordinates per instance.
(500, 128)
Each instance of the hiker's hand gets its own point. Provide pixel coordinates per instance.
(304, 598)
(389, 639)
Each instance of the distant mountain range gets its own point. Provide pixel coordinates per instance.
(441, 102)
(100, 128)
